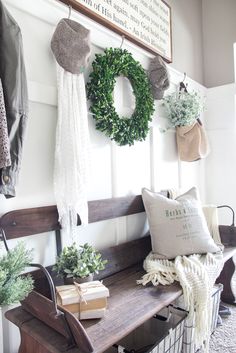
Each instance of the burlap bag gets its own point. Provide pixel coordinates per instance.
(192, 142)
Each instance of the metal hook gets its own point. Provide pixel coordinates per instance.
(3, 238)
(183, 86)
(122, 41)
(70, 8)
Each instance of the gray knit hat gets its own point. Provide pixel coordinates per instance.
(71, 45)
(158, 76)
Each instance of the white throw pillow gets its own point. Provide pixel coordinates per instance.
(177, 227)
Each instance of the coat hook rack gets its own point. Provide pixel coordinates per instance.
(183, 86)
(122, 41)
(70, 8)
(3, 238)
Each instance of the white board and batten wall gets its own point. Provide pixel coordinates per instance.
(115, 171)
(220, 167)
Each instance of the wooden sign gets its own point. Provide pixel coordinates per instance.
(146, 23)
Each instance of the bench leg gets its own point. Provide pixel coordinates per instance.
(225, 278)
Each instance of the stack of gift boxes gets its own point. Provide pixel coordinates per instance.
(86, 300)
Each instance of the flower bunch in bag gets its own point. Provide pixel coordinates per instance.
(182, 108)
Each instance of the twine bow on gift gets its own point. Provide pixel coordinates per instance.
(82, 291)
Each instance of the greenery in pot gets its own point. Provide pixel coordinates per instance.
(79, 263)
(183, 108)
(14, 287)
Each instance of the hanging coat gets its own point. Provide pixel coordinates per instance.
(13, 76)
(5, 158)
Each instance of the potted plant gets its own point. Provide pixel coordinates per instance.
(182, 108)
(79, 264)
(13, 288)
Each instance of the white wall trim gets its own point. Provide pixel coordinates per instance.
(230, 87)
(41, 93)
(46, 94)
(221, 108)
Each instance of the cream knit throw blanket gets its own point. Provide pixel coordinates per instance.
(196, 275)
(72, 150)
(211, 215)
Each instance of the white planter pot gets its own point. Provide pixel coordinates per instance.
(9, 333)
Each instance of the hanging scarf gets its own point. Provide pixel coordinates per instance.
(72, 149)
(70, 45)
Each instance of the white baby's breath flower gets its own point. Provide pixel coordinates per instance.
(183, 109)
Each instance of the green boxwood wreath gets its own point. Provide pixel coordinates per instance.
(106, 67)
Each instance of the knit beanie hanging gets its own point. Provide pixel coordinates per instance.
(158, 77)
(71, 45)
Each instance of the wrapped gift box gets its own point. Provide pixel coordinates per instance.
(86, 301)
(75, 293)
(100, 303)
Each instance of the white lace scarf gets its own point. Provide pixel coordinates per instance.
(72, 150)
(196, 275)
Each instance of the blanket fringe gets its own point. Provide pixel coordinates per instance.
(196, 275)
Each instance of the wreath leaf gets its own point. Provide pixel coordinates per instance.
(106, 67)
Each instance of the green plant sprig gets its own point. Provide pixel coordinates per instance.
(106, 67)
(82, 262)
(14, 287)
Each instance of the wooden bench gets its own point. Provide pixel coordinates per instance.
(130, 305)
